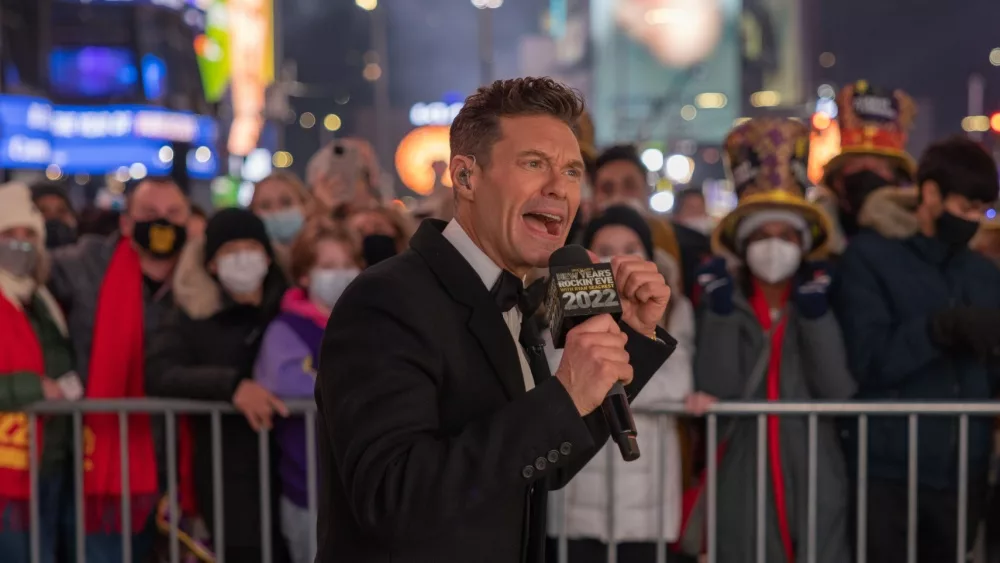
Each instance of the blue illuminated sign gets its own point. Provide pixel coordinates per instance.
(98, 139)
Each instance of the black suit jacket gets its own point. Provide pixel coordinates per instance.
(431, 450)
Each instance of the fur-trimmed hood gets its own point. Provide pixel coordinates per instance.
(826, 199)
(891, 212)
(195, 290)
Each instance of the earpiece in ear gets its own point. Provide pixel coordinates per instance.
(463, 177)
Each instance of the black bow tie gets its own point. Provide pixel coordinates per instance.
(507, 291)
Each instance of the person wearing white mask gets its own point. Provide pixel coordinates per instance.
(36, 363)
(227, 289)
(639, 493)
(766, 333)
(324, 261)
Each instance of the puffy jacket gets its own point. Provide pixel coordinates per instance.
(636, 484)
(892, 280)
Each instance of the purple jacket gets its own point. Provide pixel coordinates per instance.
(286, 366)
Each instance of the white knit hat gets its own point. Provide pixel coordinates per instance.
(17, 209)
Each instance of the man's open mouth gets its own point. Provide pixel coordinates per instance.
(548, 223)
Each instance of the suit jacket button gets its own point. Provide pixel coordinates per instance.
(553, 456)
(527, 472)
(540, 464)
(565, 448)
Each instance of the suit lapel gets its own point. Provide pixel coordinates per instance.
(486, 322)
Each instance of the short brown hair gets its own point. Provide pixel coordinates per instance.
(303, 250)
(477, 126)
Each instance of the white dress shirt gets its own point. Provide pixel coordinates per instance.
(489, 272)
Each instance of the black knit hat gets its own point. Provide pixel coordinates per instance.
(43, 189)
(234, 224)
(626, 217)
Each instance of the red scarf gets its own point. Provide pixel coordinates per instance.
(763, 313)
(116, 372)
(20, 351)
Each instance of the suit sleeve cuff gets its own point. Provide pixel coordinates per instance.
(562, 436)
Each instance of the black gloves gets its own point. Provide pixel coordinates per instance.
(967, 330)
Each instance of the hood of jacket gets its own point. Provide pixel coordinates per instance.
(195, 290)
(891, 212)
(200, 296)
(826, 199)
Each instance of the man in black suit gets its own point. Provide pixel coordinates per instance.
(442, 430)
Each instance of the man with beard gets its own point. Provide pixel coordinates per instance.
(116, 290)
(873, 132)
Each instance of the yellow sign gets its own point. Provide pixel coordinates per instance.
(14, 441)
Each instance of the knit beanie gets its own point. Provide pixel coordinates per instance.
(626, 217)
(234, 224)
(18, 210)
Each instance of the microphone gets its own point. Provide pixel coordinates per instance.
(579, 289)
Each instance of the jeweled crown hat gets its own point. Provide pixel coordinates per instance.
(768, 153)
(873, 122)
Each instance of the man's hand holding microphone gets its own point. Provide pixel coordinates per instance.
(595, 357)
(584, 300)
(593, 361)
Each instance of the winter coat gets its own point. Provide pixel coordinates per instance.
(892, 280)
(205, 347)
(77, 274)
(286, 366)
(637, 484)
(813, 367)
(18, 390)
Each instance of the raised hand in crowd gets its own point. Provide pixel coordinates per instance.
(51, 390)
(715, 285)
(968, 331)
(811, 296)
(257, 404)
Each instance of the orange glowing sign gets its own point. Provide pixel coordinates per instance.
(252, 68)
(417, 153)
(824, 144)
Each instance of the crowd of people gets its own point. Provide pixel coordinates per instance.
(880, 284)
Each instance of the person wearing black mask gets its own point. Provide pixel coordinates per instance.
(384, 232)
(60, 219)
(874, 126)
(116, 292)
(920, 314)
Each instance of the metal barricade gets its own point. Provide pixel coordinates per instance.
(812, 411)
(170, 410)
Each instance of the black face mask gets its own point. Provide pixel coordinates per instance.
(857, 188)
(377, 248)
(58, 234)
(160, 238)
(955, 231)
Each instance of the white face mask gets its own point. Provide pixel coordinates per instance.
(242, 272)
(773, 260)
(327, 285)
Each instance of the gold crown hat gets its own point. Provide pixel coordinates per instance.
(768, 153)
(724, 237)
(873, 122)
